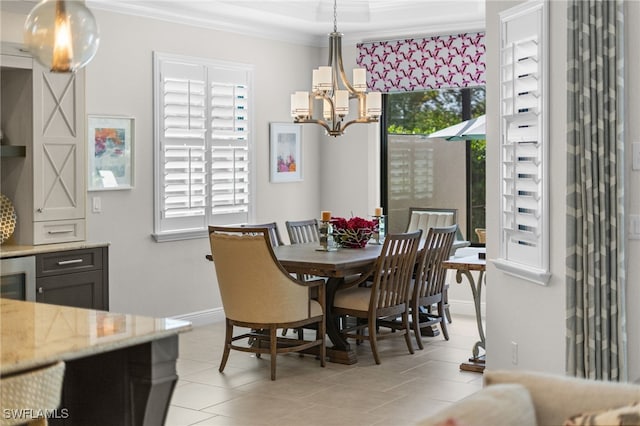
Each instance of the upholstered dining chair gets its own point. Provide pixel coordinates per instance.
(385, 297)
(303, 231)
(429, 282)
(259, 294)
(35, 391)
(274, 233)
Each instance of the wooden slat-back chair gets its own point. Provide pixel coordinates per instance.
(388, 294)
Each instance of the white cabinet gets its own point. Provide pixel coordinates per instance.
(45, 112)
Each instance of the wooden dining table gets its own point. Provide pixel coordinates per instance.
(335, 266)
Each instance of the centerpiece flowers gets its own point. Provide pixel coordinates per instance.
(352, 233)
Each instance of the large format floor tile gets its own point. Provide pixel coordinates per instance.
(402, 390)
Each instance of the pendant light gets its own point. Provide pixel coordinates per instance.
(331, 86)
(61, 35)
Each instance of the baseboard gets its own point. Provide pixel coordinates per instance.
(465, 307)
(208, 316)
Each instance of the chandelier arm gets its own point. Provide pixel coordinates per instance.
(336, 49)
(358, 121)
(315, 121)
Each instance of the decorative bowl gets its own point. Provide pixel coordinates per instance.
(354, 232)
(352, 238)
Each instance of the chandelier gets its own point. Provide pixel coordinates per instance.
(335, 100)
(62, 35)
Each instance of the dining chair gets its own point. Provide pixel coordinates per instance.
(274, 233)
(260, 295)
(303, 231)
(386, 296)
(33, 392)
(428, 285)
(427, 217)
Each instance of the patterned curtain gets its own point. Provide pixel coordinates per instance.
(596, 335)
(439, 62)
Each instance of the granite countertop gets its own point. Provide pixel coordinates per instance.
(10, 250)
(36, 334)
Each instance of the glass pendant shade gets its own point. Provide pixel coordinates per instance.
(62, 35)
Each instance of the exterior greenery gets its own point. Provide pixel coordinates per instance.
(422, 113)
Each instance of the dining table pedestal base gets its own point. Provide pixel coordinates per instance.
(341, 356)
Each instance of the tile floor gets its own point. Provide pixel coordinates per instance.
(402, 390)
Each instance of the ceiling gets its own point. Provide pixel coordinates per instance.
(305, 21)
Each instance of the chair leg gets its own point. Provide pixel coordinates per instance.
(373, 339)
(407, 331)
(321, 331)
(415, 321)
(227, 345)
(273, 346)
(442, 309)
(445, 297)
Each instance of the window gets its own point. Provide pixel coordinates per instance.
(422, 172)
(202, 145)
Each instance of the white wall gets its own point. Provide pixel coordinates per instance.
(173, 278)
(517, 310)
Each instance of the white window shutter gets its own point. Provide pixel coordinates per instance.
(524, 228)
(203, 146)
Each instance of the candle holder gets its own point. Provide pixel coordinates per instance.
(380, 231)
(327, 243)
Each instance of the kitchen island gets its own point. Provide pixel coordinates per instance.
(120, 368)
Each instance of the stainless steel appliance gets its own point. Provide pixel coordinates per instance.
(18, 278)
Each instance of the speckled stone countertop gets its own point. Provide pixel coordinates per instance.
(36, 334)
(9, 250)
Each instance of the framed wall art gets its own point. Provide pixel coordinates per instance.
(110, 152)
(285, 152)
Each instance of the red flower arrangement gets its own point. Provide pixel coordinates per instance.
(354, 232)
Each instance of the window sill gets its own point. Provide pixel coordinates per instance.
(538, 276)
(180, 235)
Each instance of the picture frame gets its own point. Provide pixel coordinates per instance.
(285, 152)
(110, 150)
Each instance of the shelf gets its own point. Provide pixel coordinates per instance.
(7, 151)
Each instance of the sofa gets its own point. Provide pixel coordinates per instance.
(535, 399)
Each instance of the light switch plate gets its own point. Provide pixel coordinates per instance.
(97, 205)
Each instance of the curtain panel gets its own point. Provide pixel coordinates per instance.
(596, 336)
(439, 62)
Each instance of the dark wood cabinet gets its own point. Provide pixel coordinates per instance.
(76, 278)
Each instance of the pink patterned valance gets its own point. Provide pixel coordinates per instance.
(438, 62)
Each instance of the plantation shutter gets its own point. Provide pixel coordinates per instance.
(183, 145)
(524, 142)
(203, 146)
(229, 151)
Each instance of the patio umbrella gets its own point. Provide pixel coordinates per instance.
(467, 130)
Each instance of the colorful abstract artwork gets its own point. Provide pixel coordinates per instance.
(285, 152)
(110, 153)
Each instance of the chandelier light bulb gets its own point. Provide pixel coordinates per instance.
(62, 35)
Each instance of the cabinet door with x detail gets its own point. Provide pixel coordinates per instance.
(58, 145)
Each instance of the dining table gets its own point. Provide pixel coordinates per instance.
(465, 266)
(308, 259)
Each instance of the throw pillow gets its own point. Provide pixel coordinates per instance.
(629, 415)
